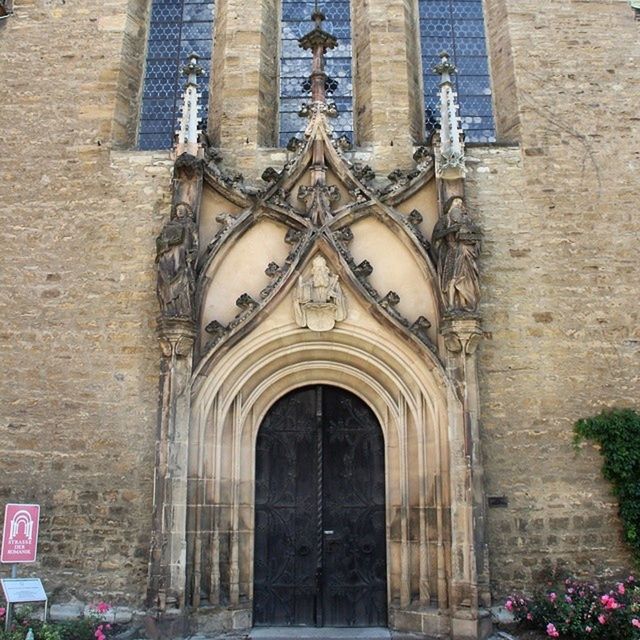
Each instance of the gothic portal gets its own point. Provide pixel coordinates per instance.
(318, 459)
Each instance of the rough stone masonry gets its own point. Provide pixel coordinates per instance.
(557, 204)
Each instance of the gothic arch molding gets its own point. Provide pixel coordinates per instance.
(416, 408)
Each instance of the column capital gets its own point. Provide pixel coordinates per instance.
(461, 333)
(176, 336)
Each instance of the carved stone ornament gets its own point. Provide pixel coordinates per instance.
(456, 243)
(318, 301)
(176, 336)
(461, 335)
(177, 252)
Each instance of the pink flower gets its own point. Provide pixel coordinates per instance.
(529, 616)
(602, 619)
(587, 629)
(609, 602)
(568, 599)
(552, 631)
(102, 607)
(2, 612)
(509, 605)
(621, 588)
(630, 579)
(552, 597)
(635, 622)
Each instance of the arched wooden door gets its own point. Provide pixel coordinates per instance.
(320, 554)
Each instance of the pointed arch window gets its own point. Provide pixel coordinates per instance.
(176, 29)
(457, 27)
(295, 65)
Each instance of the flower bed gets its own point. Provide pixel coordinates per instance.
(91, 627)
(579, 611)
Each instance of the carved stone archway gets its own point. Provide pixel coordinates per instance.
(427, 504)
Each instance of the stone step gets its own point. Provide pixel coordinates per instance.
(314, 633)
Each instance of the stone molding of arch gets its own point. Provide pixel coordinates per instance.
(428, 503)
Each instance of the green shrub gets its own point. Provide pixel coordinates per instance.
(617, 431)
(90, 627)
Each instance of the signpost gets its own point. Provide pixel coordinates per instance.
(20, 545)
(20, 533)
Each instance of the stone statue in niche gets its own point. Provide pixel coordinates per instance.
(177, 251)
(456, 243)
(318, 301)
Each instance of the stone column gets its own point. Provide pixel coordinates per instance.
(167, 572)
(388, 101)
(244, 93)
(177, 251)
(469, 580)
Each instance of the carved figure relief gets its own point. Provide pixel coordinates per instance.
(456, 242)
(318, 300)
(177, 251)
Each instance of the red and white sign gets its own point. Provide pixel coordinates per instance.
(20, 533)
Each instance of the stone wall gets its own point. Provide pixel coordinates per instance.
(79, 355)
(560, 295)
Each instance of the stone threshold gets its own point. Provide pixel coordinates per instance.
(320, 633)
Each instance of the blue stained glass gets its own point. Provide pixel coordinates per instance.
(467, 11)
(457, 26)
(177, 28)
(165, 13)
(295, 65)
(468, 29)
(472, 86)
(198, 12)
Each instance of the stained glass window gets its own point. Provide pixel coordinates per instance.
(457, 27)
(295, 65)
(177, 28)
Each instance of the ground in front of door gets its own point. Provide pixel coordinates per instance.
(298, 633)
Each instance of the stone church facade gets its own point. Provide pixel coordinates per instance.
(370, 354)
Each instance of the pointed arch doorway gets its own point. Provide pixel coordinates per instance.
(320, 543)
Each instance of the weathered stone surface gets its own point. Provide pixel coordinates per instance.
(68, 611)
(559, 265)
(79, 352)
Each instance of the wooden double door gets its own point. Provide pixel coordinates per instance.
(320, 552)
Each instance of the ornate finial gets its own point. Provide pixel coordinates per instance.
(192, 67)
(188, 125)
(450, 158)
(318, 17)
(445, 67)
(318, 38)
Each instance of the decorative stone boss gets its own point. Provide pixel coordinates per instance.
(318, 301)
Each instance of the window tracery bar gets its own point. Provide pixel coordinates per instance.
(177, 28)
(295, 65)
(457, 27)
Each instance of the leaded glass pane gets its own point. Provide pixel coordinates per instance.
(177, 28)
(457, 26)
(295, 65)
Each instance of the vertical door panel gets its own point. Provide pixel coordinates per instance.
(354, 559)
(285, 513)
